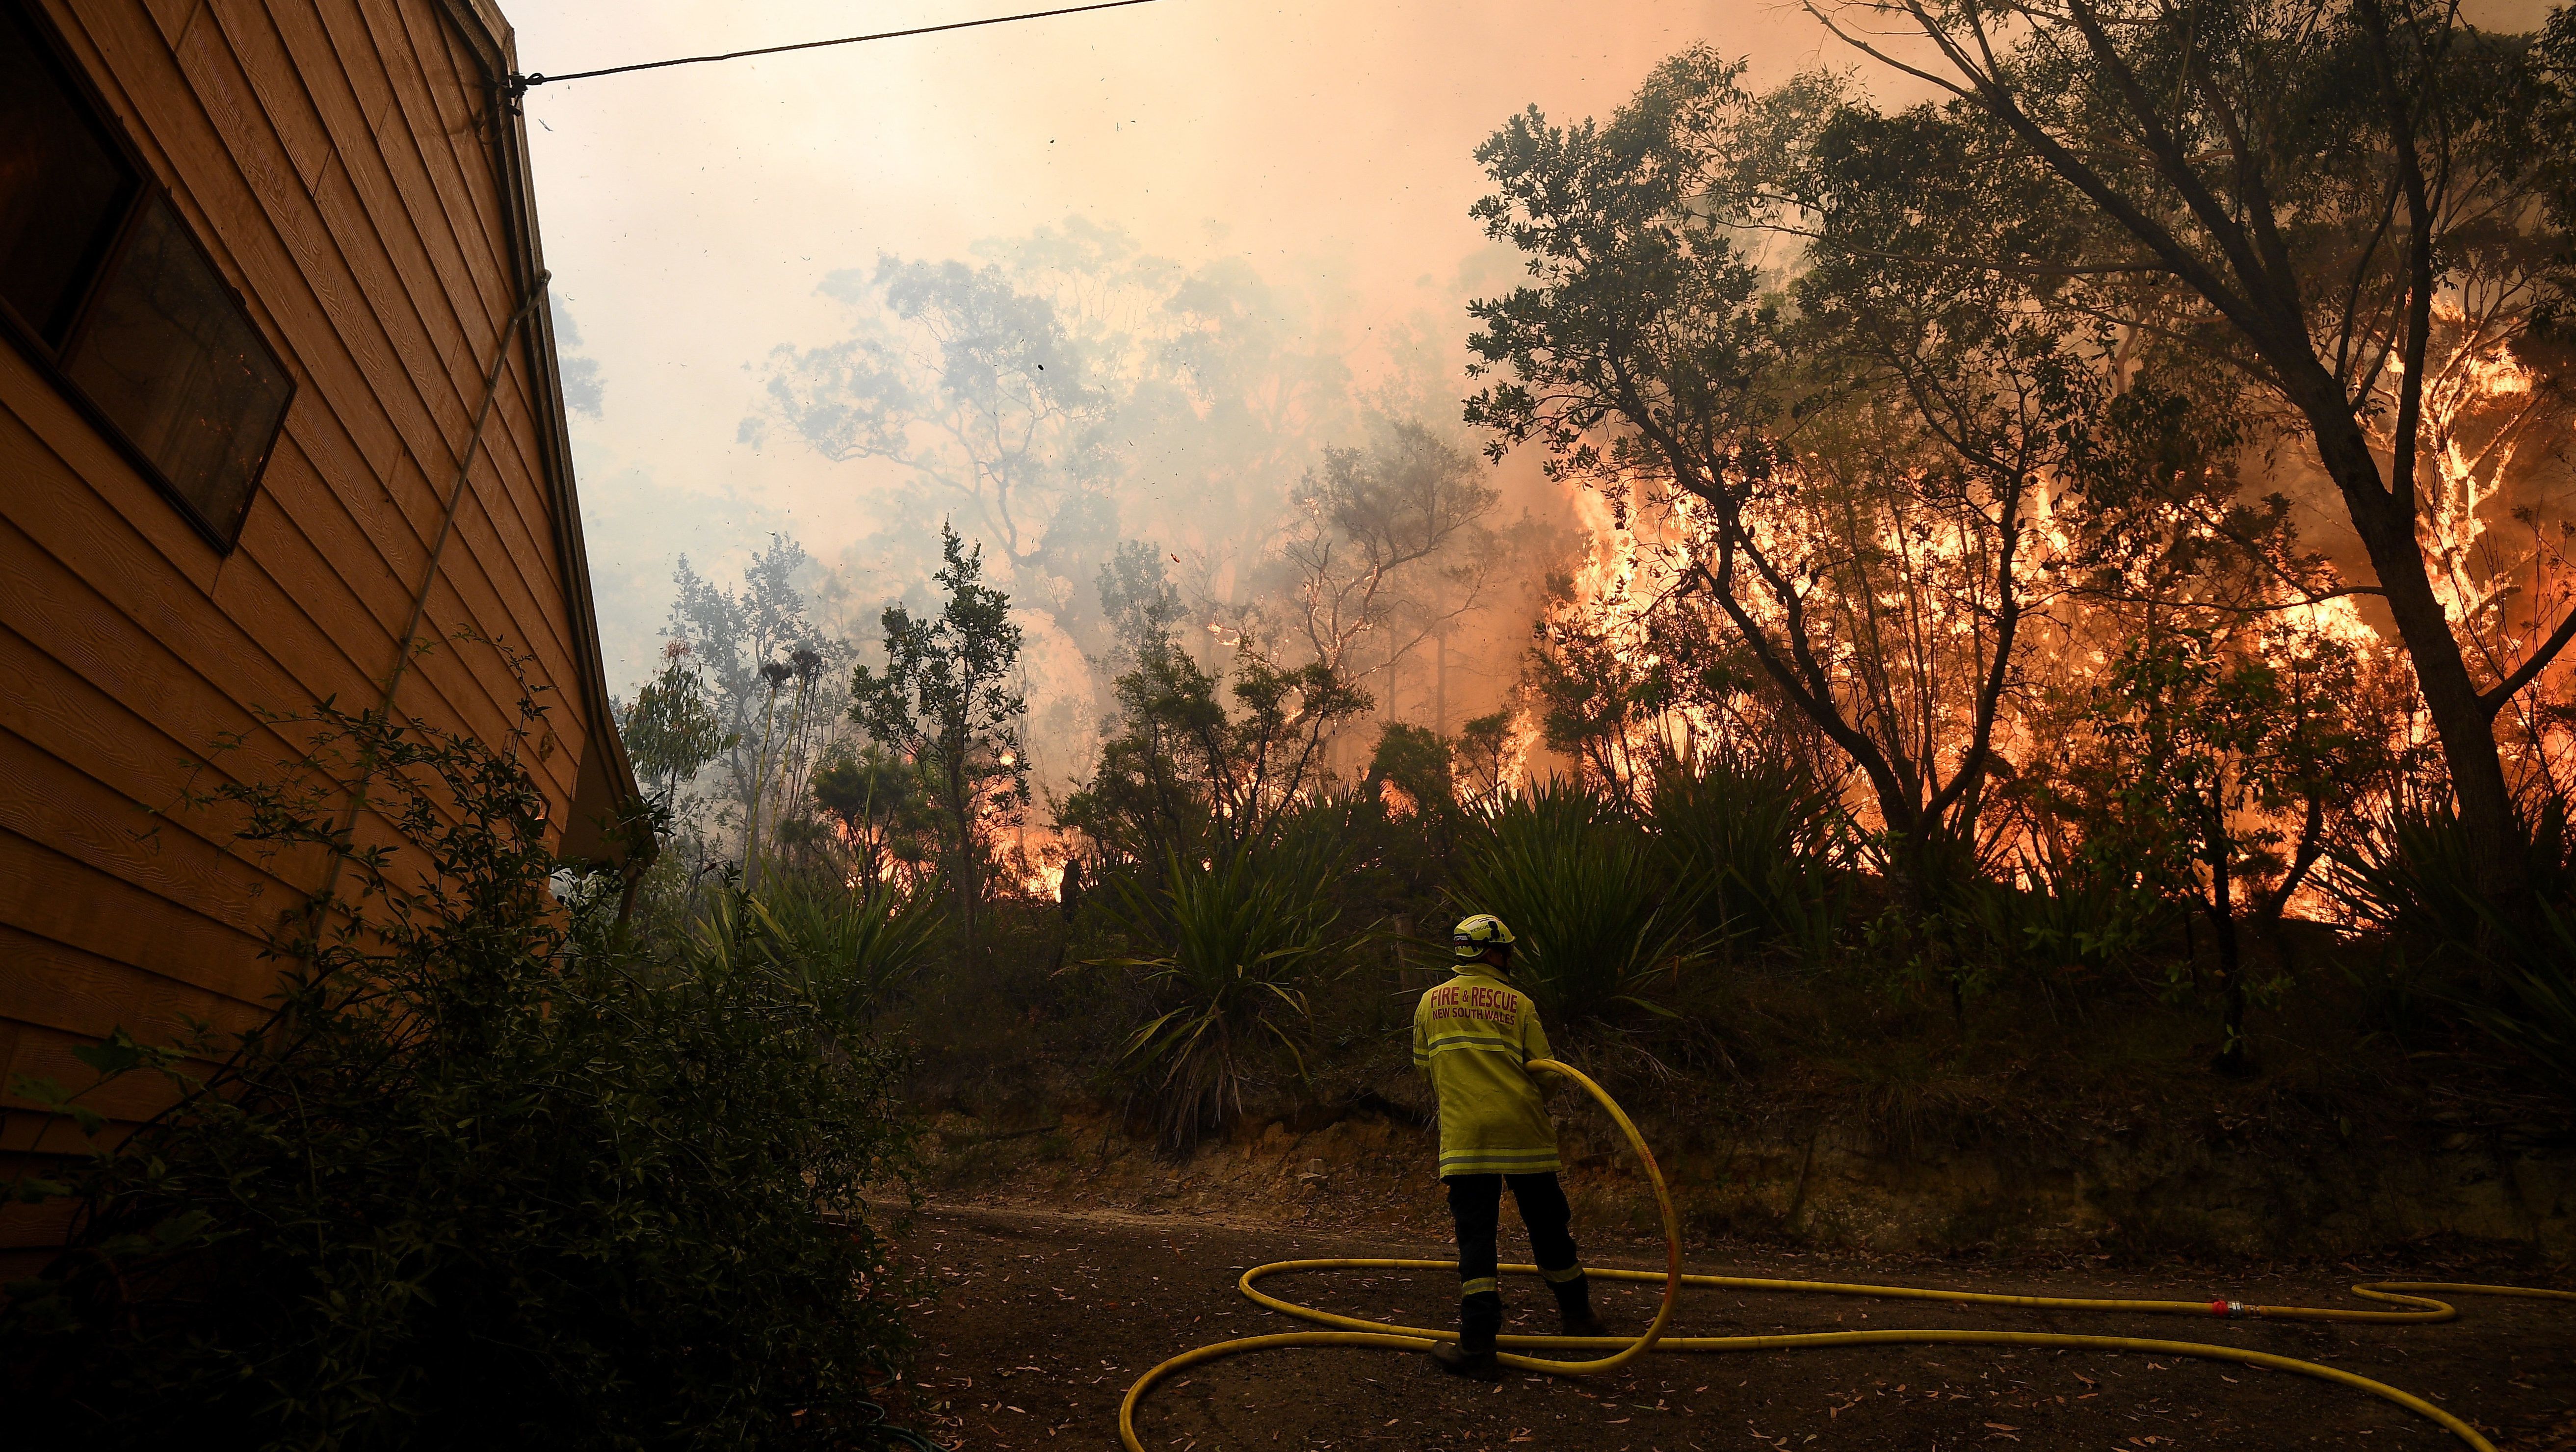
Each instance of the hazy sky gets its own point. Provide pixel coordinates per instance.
(690, 214)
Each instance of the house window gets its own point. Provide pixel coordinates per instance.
(102, 282)
(63, 188)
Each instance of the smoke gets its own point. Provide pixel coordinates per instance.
(1073, 402)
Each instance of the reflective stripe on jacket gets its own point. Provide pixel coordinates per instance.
(1472, 1035)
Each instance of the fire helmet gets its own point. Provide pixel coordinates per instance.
(1474, 935)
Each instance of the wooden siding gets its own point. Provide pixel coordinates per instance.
(340, 161)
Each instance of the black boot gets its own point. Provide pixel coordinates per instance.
(1574, 1305)
(1480, 1319)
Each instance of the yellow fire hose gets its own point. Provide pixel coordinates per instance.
(1417, 1338)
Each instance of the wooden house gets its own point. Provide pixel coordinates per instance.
(278, 394)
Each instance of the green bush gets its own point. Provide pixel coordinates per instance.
(1765, 847)
(487, 1177)
(2084, 912)
(849, 951)
(1576, 880)
(1245, 937)
(2411, 874)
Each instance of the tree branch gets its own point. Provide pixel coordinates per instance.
(2494, 701)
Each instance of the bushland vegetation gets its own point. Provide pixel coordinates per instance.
(2072, 612)
(1988, 643)
(494, 1170)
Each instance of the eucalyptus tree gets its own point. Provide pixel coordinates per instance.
(1203, 763)
(732, 635)
(2338, 198)
(1858, 460)
(1197, 760)
(1054, 379)
(983, 387)
(1389, 547)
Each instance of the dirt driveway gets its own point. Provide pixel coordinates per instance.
(1044, 1318)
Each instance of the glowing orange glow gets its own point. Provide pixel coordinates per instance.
(1046, 880)
(2487, 419)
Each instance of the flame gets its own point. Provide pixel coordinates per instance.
(2483, 420)
(1633, 556)
(1036, 861)
(2484, 416)
(1399, 802)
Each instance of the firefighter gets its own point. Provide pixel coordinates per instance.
(1473, 1035)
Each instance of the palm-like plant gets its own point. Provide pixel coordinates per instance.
(1245, 936)
(2536, 965)
(845, 952)
(1765, 846)
(2411, 871)
(1576, 880)
(852, 950)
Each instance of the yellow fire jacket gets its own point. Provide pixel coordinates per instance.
(1472, 1035)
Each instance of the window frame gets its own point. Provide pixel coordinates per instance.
(146, 191)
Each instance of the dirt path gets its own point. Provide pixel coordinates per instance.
(1044, 1318)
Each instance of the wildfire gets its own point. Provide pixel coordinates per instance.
(1036, 862)
(1636, 554)
(2483, 410)
(1925, 569)
(1044, 881)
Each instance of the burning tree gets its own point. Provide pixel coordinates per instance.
(2322, 197)
(2216, 761)
(1855, 465)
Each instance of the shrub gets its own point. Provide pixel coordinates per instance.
(484, 1177)
(1245, 937)
(2054, 913)
(2411, 874)
(847, 951)
(1575, 879)
(1764, 846)
(2536, 967)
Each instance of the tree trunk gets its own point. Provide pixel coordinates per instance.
(1440, 684)
(634, 882)
(2231, 969)
(2464, 724)
(969, 893)
(759, 785)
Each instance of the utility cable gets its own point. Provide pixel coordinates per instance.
(2419, 1308)
(520, 85)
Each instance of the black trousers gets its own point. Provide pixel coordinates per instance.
(1476, 1204)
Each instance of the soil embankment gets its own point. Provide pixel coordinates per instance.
(2126, 1184)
